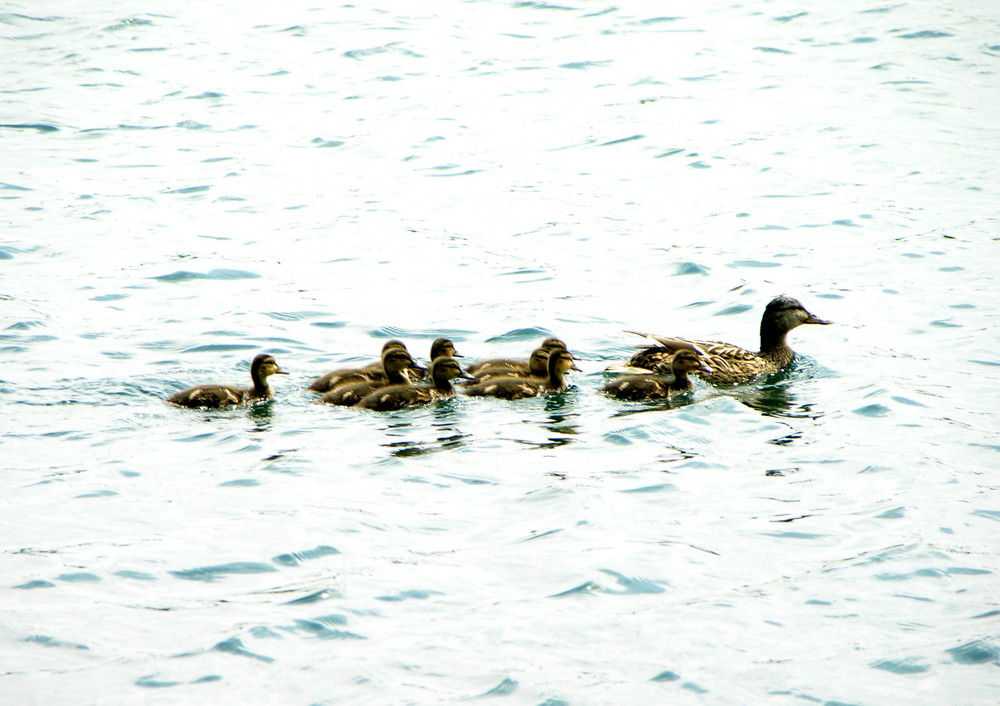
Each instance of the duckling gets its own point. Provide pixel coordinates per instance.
(440, 347)
(394, 362)
(732, 364)
(524, 366)
(662, 383)
(538, 366)
(515, 388)
(443, 370)
(345, 376)
(215, 396)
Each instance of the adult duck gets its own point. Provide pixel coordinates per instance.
(560, 362)
(443, 370)
(732, 364)
(669, 379)
(216, 396)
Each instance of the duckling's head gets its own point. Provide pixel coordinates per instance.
(561, 361)
(783, 314)
(445, 368)
(263, 366)
(395, 360)
(443, 347)
(393, 343)
(538, 362)
(552, 343)
(688, 361)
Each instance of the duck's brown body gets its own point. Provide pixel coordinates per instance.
(216, 396)
(731, 364)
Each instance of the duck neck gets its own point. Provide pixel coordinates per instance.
(680, 380)
(773, 338)
(555, 381)
(261, 388)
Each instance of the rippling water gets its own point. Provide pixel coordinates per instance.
(185, 187)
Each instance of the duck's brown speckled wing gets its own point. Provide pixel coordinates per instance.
(209, 396)
(730, 364)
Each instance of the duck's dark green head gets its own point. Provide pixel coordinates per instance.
(443, 347)
(783, 314)
(445, 368)
(263, 366)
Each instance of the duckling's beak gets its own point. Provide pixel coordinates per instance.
(576, 368)
(816, 320)
(279, 371)
(464, 375)
(456, 354)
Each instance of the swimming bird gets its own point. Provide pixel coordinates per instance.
(394, 362)
(365, 373)
(440, 347)
(443, 370)
(732, 364)
(538, 366)
(669, 378)
(215, 396)
(560, 362)
(548, 345)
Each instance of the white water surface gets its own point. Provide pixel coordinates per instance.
(185, 184)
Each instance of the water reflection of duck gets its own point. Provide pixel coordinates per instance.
(669, 378)
(394, 361)
(443, 370)
(215, 396)
(522, 366)
(515, 388)
(732, 364)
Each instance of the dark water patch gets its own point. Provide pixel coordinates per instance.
(872, 410)
(975, 652)
(752, 264)
(316, 628)
(666, 676)
(772, 50)
(584, 65)
(151, 682)
(329, 324)
(294, 315)
(295, 558)
(212, 573)
(540, 535)
(234, 646)
(220, 347)
(634, 584)
(315, 597)
(505, 688)
(691, 686)
(206, 95)
(925, 34)
(988, 514)
(658, 488)
(79, 577)
(794, 535)
(894, 514)
(97, 494)
(36, 583)
(789, 18)
(520, 334)
(691, 268)
(216, 274)
(40, 127)
(187, 190)
(669, 153)
(129, 23)
(408, 595)
(135, 575)
(109, 297)
(619, 141)
(988, 614)
(907, 401)
(240, 483)
(583, 588)
(47, 641)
